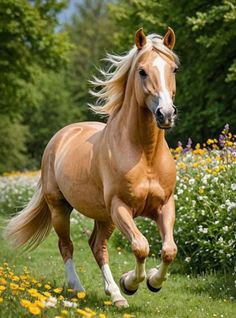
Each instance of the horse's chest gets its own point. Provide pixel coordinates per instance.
(147, 194)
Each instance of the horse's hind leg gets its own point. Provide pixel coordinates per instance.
(98, 243)
(61, 211)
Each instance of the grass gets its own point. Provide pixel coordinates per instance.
(182, 296)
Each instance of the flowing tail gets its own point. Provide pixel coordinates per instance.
(31, 225)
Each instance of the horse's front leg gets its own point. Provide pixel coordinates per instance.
(165, 222)
(122, 217)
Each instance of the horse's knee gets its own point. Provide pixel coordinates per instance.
(140, 248)
(169, 252)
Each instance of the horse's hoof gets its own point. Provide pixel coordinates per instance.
(124, 289)
(121, 303)
(152, 289)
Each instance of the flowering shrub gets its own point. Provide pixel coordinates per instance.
(205, 206)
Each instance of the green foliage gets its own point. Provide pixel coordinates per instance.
(27, 39)
(91, 32)
(12, 144)
(53, 109)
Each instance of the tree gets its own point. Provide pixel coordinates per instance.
(29, 44)
(28, 40)
(91, 32)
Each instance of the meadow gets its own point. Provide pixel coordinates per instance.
(202, 281)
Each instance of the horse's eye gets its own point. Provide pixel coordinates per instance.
(142, 73)
(175, 70)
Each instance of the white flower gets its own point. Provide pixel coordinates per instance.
(221, 240)
(231, 206)
(191, 181)
(51, 302)
(187, 259)
(225, 228)
(233, 186)
(180, 191)
(69, 304)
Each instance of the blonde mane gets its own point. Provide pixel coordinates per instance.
(111, 94)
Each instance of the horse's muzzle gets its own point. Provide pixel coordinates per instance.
(165, 118)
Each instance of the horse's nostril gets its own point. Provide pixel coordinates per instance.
(159, 114)
(175, 110)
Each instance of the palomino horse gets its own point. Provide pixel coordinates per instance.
(115, 172)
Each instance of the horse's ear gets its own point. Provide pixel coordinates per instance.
(140, 39)
(169, 39)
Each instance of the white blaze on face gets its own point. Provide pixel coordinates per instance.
(164, 95)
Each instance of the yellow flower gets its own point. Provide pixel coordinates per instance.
(102, 316)
(2, 288)
(34, 310)
(47, 294)
(201, 190)
(65, 312)
(1, 300)
(39, 304)
(60, 297)
(81, 295)
(33, 292)
(15, 278)
(47, 286)
(25, 303)
(90, 311)
(57, 290)
(181, 165)
(107, 302)
(14, 286)
(74, 299)
(128, 316)
(83, 313)
(3, 281)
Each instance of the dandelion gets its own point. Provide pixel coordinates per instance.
(81, 295)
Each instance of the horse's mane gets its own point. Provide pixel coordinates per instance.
(111, 95)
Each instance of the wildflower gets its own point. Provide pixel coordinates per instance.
(233, 186)
(14, 286)
(57, 290)
(34, 310)
(51, 302)
(83, 313)
(47, 286)
(25, 303)
(65, 312)
(81, 295)
(107, 302)
(2, 288)
(102, 316)
(1, 300)
(69, 304)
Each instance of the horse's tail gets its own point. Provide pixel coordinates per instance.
(31, 225)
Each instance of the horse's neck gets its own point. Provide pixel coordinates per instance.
(137, 126)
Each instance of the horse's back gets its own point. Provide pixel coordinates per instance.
(70, 164)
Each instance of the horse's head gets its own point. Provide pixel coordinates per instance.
(155, 76)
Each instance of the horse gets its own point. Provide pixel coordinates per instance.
(113, 172)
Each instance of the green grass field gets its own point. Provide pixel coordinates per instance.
(181, 296)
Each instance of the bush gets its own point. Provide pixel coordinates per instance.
(205, 207)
